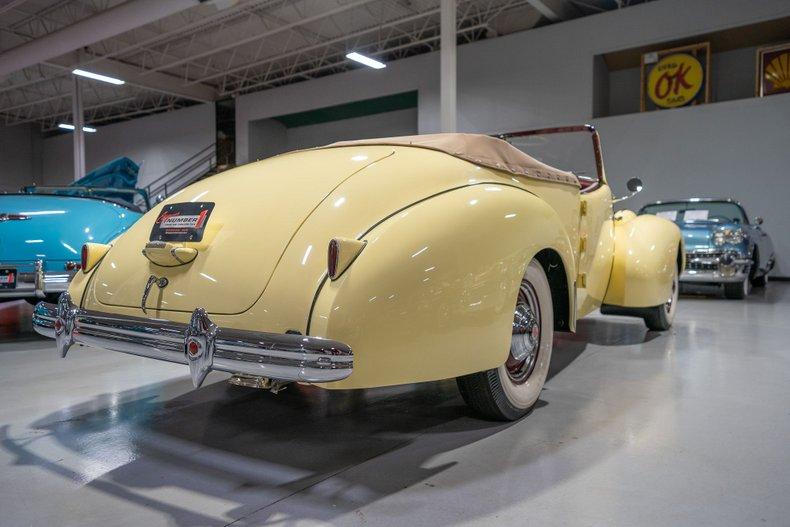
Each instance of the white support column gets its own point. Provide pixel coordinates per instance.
(79, 135)
(448, 81)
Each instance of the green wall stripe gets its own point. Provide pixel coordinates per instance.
(388, 103)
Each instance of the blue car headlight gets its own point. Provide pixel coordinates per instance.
(729, 235)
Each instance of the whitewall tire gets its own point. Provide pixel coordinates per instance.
(660, 318)
(738, 290)
(510, 391)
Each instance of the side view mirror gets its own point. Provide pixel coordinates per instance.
(634, 187)
(758, 220)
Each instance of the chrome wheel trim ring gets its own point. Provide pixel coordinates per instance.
(669, 305)
(526, 336)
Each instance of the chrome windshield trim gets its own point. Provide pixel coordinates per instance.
(200, 344)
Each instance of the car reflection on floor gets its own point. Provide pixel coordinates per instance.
(131, 442)
(15, 321)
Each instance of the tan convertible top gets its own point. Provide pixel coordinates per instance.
(479, 149)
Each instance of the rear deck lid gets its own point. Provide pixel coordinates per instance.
(252, 213)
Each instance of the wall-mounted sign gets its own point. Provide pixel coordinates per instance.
(675, 77)
(773, 70)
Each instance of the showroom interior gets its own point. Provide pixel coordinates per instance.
(319, 216)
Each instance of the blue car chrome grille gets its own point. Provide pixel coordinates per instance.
(703, 260)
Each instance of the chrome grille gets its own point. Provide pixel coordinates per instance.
(703, 260)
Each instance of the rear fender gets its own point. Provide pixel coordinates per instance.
(432, 294)
(645, 260)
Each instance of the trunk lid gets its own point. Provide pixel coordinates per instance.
(256, 211)
(53, 228)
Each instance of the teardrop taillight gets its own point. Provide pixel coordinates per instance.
(333, 254)
(84, 257)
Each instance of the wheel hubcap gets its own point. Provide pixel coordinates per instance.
(671, 301)
(525, 342)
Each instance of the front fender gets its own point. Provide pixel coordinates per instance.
(645, 260)
(432, 294)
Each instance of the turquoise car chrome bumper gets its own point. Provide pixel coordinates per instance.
(34, 282)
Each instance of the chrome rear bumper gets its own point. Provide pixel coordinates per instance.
(201, 344)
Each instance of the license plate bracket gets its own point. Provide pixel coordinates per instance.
(182, 222)
(8, 278)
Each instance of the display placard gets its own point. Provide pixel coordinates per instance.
(182, 222)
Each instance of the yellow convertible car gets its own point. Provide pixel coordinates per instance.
(375, 263)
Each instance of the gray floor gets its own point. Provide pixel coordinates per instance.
(689, 427)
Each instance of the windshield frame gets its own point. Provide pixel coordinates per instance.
(702, 201)
(596, 143)
(92, 193)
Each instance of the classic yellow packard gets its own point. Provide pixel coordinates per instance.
(374, 263)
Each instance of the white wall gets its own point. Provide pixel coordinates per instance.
(738, 149)
(416, 73)
(20, 157)
(158, 142)
(269, 137)
(732, 77)
(532, 78)
(544, 77)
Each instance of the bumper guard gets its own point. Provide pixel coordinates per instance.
(201, 344)
(37, 284)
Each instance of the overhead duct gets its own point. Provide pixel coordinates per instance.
(119, 19)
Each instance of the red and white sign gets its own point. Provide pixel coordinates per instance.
(182, 222)
(178, 221)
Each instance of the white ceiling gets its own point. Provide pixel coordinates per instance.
(223, 48)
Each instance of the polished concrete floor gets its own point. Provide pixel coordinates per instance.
(687, 427)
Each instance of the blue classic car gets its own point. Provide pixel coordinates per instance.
(722, 245)
(42, 229)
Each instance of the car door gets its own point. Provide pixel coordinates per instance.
(596, 248)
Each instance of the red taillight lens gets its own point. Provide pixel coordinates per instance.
(332, 258)
(84, 257)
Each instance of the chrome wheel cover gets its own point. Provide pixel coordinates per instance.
(673, 297)
(525, 340)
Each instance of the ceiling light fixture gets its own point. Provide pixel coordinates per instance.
(96, 76)
(367, 61)
(88, 129)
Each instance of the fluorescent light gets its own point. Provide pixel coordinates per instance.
(367, 61)
(96, 76)
(88, 129)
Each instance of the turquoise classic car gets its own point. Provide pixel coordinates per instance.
(42, 229)
(722, 245)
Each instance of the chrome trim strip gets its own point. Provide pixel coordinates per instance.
(693, 200)
(12, 216)
(201, 344)
(717, 260)
(711, 276)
